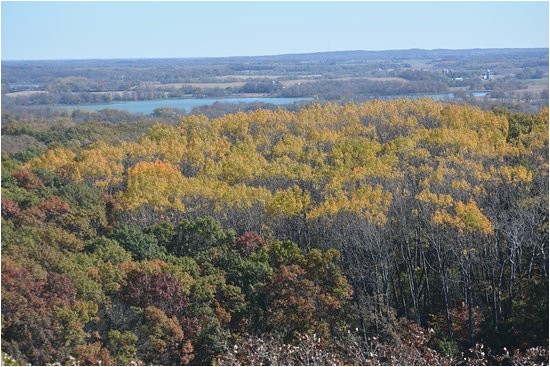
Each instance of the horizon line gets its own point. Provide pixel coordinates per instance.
(273, 55)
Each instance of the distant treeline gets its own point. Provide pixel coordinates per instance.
(335, 90)
(331, 76)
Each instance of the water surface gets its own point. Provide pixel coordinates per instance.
(185, 104)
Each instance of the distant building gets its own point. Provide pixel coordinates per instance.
(487, 75)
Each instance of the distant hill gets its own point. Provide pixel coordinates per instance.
(411, 54)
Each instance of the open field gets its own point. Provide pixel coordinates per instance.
(25, 93)
(330, 76)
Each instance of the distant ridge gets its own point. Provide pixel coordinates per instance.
(414, 53)
(408, 54)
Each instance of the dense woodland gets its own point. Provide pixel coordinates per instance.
(403, 232)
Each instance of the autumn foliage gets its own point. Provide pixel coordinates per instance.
(402, 232)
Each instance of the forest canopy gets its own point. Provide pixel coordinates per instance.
(337, 232)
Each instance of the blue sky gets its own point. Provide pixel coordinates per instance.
(80, 30)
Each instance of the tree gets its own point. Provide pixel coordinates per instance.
(142, 246)
(200, 235)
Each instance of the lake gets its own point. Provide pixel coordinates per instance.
(186, 104)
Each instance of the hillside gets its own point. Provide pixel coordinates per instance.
(401, 232)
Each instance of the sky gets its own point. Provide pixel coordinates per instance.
(84, 30)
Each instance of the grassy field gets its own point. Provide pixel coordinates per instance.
(25, 93)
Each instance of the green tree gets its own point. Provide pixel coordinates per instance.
(142, 246)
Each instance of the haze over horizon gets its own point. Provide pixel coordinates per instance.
(116, 30)
(275, 55)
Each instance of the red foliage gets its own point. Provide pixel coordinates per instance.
(59, 290)
(93, 355)
(459, 314)
(27, 179)
(249, 241)
(158, 289)
(10, 209)
(33, 216)
(293, 299)
(28, 311)
(50, 209)
(22, 289)
(54, 207)
(191, 326)
(419, 340)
